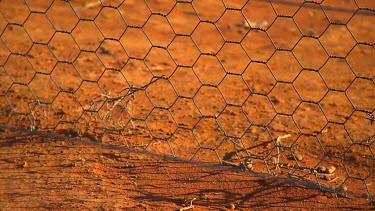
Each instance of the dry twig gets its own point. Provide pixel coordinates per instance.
(278, 145)
(191, 206)
(88, 5)
(112, 102)
(370, 117)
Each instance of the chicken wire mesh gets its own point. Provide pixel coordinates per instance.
(284, 88)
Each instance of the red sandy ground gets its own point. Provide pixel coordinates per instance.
(43, 173)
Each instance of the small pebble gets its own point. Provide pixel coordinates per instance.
(249, 166)
(298, 157)
(295, 157)
(343, 188)
(331, 169)
(273, 160)
(232, 206)
(23, 165)
(321, 169)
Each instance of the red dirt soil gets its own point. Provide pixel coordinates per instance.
(216, 92)
(46, 174)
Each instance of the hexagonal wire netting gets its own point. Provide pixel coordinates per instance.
(278, 87)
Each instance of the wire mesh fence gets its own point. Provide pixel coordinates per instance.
(284, 88)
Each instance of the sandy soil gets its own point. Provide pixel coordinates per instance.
(40, 173)
(208, 85)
